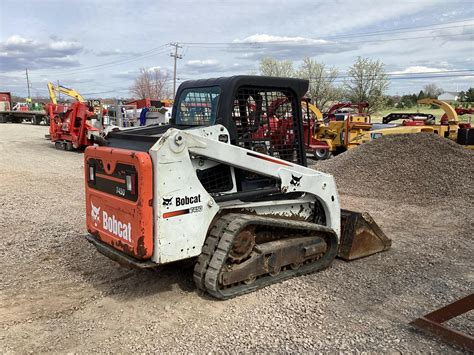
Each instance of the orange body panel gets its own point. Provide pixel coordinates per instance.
(125, 223)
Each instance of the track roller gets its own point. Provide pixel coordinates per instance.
(243, 253)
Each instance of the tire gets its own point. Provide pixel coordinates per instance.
(35, 120)
(3, 119)
(322, 154)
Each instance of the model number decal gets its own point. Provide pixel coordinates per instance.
(195, 209)
(120, 190)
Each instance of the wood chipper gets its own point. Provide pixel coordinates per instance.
(74, 126)
(224, 184)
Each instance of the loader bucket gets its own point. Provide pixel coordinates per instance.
(360, 236)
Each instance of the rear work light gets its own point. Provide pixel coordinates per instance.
(130, 182)
(91, 173)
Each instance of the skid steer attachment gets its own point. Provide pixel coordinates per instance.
(360, 236)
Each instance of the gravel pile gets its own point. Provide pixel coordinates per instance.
(415, 168)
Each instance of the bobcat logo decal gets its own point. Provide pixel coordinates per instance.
(168, 201)
(295, 181)
(95, 214)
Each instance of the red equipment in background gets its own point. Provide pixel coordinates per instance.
(460, 111)
(69, 127)
(330, 115)
(142, 103)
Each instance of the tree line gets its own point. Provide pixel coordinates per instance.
(365, 81)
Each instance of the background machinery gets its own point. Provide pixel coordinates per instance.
(226, 185)
(76, 125)
(136, 113)
(52, 89)
(32, 112)
(339, 132)
(449, 126)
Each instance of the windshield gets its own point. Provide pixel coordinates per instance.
(198, 106)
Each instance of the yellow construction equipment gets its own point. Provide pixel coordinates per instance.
(337, 136)
(63, 90)
(447, 129)
(449, 126)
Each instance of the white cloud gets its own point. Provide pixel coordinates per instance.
(418, 69)
(18, 52)
(265, 38)
(202, 63)
(115, 52)
(256, 46)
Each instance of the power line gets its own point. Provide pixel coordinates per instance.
(408, 38)
(440, 72)
(108, 65)
(469, 75)
(308, 40)
(406, 29)
(146, 54)
(308, 43)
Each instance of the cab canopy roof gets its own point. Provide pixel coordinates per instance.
(230, 85)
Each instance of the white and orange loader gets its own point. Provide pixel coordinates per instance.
(226, 184)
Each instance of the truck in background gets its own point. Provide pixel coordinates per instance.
(20, 111)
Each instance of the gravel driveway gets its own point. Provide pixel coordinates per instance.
(58, 294)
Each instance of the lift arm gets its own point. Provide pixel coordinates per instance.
(447, 108)
(63, 90)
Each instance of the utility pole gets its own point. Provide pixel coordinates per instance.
(176, 56)
(28, 84)
(59, 92)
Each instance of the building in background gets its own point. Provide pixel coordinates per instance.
(449, 96)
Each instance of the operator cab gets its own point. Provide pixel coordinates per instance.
(261, 114)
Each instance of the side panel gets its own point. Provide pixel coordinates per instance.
(119, 197)
(183, 209)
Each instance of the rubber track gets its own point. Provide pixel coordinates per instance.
(219, 242)
(209, 247)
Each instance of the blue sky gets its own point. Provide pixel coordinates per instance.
(98, 47)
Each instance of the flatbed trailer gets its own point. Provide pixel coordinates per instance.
(35, 117)
(8, 114)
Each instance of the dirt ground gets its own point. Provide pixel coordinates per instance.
(58, 294)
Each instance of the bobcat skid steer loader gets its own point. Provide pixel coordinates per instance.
(225, 183)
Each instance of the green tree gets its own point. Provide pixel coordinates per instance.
(421, 95)
(367, 82)
(321, 82)
(470, 95)
(408, 101)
